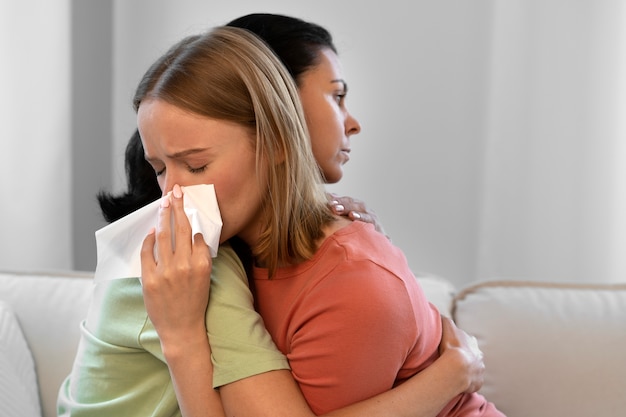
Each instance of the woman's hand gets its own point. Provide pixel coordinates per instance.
(354, 210)
(464, 351)
(175, 276)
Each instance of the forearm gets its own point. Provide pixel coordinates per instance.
(423, 395)
(192, 376)
(275, 394)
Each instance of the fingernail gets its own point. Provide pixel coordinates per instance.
(165, 201)
(178, 193)
(339, 207)
(356, 215)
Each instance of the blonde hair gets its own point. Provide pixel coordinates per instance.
(229, 74)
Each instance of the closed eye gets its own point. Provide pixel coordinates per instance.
(198, 170)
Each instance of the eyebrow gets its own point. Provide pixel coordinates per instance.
(178, 155)
(342, 81)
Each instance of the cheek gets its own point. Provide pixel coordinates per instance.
(319, 116)
(326, 129)
(228, 202)
(326, 144)
(228, 192)
(239, 198)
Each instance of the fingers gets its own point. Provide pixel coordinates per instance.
(447, 326)
(170, 247)
(343, 205)
(456, 340)
(201, 249)
(449, 335)
(173, 232)
(182, 228)
(147, 253)
(163, 233)
(353, 209)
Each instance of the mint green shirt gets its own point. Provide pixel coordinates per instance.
(119, 367)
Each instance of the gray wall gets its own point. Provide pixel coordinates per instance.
(35, 119)
(492, 142)
(417, 74)
(92, 27)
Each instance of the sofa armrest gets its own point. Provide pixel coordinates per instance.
(49, 308)
(550, 349)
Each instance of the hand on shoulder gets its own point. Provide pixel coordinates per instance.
(355, 210)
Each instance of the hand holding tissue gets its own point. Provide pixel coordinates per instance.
(119, 243)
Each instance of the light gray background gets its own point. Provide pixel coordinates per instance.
(492, 142)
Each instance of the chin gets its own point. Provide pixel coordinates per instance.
(334, 179)
(333, 176)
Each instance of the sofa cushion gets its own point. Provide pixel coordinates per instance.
(550, 349)
(439, 291)
(19, 396)
(49, 307)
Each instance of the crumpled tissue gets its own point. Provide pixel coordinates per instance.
(119, 243)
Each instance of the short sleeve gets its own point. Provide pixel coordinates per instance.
(240, 344)
(357, 332)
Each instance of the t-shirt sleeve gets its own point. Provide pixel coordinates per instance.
(359, 328)
(240, 344)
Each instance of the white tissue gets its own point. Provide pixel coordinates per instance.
(119, 243)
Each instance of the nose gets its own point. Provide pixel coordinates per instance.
(166, 187)
(167, 180)
(353, 126)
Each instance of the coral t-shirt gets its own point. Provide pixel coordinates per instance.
(353, 321)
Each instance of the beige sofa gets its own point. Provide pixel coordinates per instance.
(550, 349)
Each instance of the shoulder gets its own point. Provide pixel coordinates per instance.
(362, 280)
(227, 263)
(360, 241)
(355, 233)
(361, 266)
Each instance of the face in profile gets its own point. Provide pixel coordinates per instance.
(322, 92)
